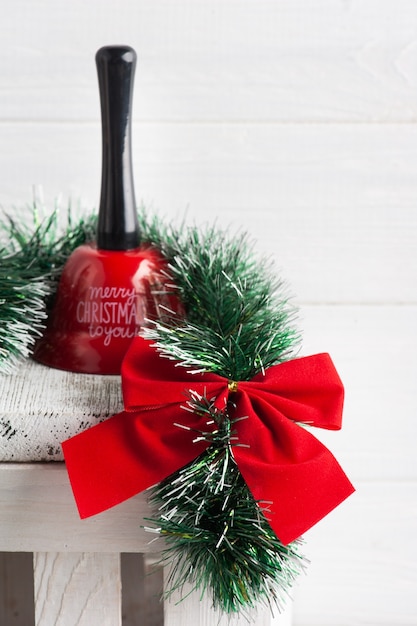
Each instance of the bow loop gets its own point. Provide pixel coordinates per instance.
(151, 380)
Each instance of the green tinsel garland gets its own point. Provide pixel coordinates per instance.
(238, 323)
(32, 254)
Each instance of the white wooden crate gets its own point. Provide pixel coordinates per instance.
(76, 563)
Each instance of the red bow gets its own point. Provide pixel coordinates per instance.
(280, 461)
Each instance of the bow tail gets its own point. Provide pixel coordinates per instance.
(293, 497)
(295, 479)
(122, 456)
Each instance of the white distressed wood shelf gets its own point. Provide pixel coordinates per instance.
(76, 565)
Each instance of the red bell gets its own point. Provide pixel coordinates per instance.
(109, 290)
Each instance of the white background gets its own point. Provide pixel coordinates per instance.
(296, 121)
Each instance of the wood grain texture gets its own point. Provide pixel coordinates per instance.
(80, 589)
(141, 579)
(307, 194)
(293, 60)
(41, 407)
(38, 513)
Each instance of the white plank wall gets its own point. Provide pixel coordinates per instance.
(295, 120)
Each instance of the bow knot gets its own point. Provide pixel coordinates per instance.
(280, 461)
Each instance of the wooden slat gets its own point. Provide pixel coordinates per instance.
(78, 589)
(334, 205)
(37, 513)
(216, 59)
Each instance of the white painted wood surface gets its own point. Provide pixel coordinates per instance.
(77, 589)
(363, 560)
(217, 60)
(41, 407)
(191, 611)
(38, 515)
(307, 193)
(294, 120)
